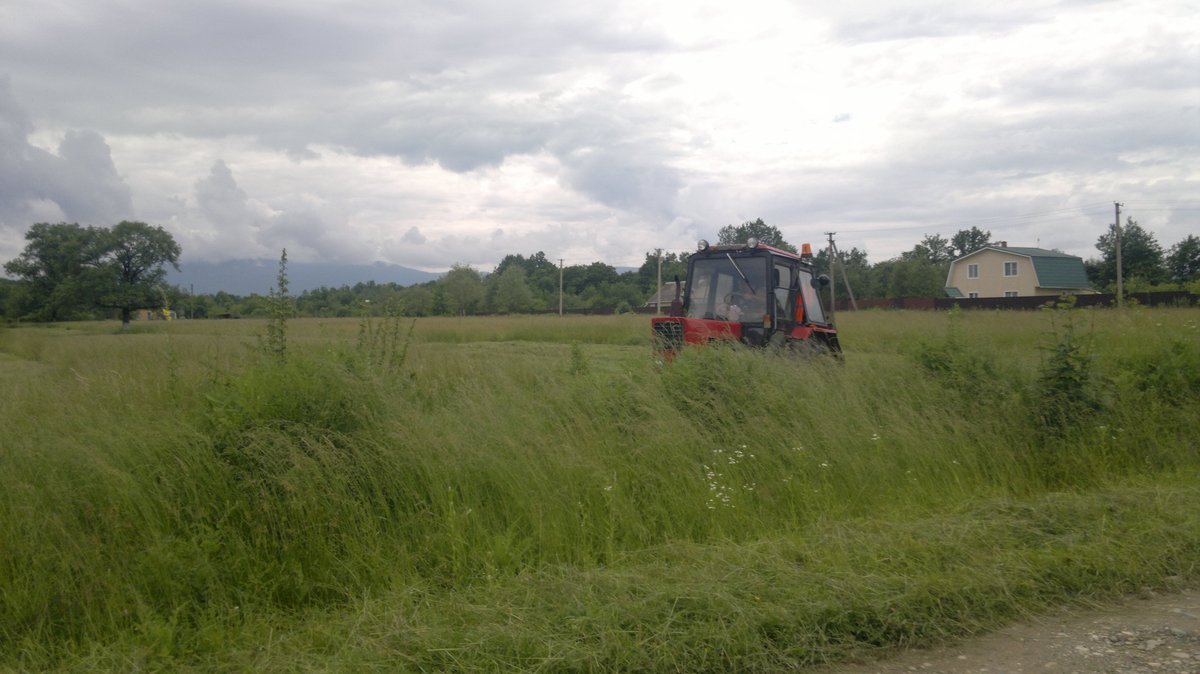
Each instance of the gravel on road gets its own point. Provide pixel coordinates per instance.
(1147, 634)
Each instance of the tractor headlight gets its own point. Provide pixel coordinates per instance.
(702, 245)
(752, 242)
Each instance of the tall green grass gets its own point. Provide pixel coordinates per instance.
(498, 493)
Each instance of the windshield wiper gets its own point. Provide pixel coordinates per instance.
(741, 273)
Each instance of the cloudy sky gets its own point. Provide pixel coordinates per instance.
(425, 133)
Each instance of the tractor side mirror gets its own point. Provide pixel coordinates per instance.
(820, 281)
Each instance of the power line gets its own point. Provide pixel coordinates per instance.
(1031, 218)
(934, 227)
(1189, 202)
(1035, 215)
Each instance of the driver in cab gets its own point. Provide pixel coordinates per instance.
(751, 304)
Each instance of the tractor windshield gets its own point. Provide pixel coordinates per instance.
(728, 288)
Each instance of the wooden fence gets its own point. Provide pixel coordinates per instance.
(1169, 298)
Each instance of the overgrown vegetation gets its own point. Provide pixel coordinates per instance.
(505, 493)
(1068, 393)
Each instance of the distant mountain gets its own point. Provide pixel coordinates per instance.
(244, 277)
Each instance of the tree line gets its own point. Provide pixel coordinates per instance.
(71, 272)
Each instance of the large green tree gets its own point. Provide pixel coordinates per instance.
(50, 270)
(462, 289)
(578, 278)
(754, 228)
(130, 271)
(9, 298)
(418, 299)
(510, 293)
(852, 267)
(67, 269)
(934, 249)
(540, 273)
(1183, 262)
(1141, 257)
(673, 264)
(967, 241)
(909, 277)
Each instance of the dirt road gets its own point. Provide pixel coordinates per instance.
(1153, 634)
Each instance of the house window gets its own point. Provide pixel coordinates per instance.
(973, 296)
(1010, 293)
(1010, 268)
(972, 271)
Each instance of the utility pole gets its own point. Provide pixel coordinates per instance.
(846, 279)
(560, 286)
(832, 288)
(658, 288)
(1120, 276)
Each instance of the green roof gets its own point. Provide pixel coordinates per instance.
(953, 292)
(1061, 271)
(1055, 269)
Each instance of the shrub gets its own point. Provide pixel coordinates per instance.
(1169, 371)
(969, 367)
(1067, 390)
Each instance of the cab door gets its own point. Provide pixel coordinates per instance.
(809, 299)
(783, 278)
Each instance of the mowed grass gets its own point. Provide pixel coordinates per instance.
(535, 493)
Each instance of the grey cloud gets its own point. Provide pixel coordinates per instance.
(464, 85)
(15, 125)
(86, 182)
(892, 22)
(414, 236)
(80, 181)
(1057, 141)
(299, 58)
(304, 233)
(240, 223)
(620, 181)
(221, 202)
(942, 172)
(461, 84)
(614, 152)
(1167, 66)
(452, 132)
(610, 149)
(223, 220)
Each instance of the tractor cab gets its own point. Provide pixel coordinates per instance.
(749, 293)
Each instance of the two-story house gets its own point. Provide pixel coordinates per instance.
(1000, 271)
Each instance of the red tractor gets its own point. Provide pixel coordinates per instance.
(749, 293)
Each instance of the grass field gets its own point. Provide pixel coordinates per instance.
(534, 493)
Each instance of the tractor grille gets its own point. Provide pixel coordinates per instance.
(668, 335)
